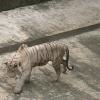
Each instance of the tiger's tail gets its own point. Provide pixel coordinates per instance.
(67, 60)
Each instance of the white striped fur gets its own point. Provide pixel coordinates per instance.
(38, 55)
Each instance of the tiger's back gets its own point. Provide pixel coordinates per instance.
(41, 54)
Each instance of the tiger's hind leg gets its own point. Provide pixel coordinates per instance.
(56, 66)
(64, 66)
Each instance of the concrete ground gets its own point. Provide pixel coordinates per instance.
(81, 84)
(53, 17)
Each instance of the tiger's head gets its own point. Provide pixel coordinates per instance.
(12, 66)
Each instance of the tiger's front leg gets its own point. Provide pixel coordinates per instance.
(28, 79)
(20, 82)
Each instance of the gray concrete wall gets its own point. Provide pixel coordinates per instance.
(11, 4)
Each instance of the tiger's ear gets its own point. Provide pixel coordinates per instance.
(22, 47)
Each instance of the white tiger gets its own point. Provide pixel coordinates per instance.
(28, 57)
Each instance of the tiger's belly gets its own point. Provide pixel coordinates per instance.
(40, 63)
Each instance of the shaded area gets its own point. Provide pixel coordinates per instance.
(89, 74)
(58, 36)
(93, 43)
(7, 5)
